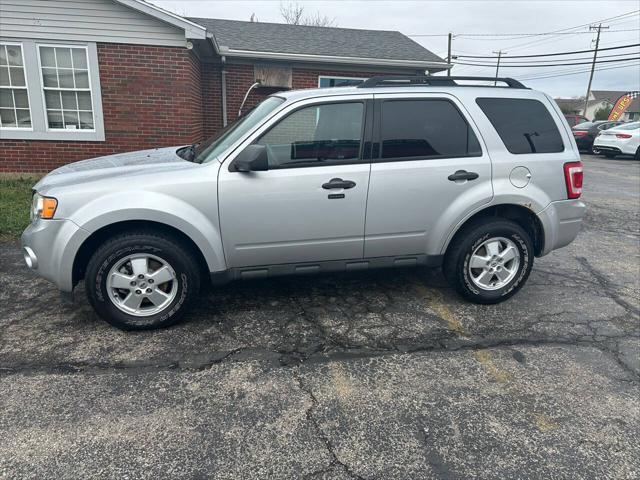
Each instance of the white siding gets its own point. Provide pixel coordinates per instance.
(84, 20)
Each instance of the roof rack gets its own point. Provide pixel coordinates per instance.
(413, 80)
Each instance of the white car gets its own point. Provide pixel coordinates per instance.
(620, 140)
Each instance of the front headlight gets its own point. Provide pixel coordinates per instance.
(42, 207)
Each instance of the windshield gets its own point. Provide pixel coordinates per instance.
(214, 146)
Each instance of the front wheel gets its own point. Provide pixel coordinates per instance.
(489, 261)
(142, 280)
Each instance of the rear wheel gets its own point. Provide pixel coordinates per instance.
(637, 155)
(489, 261)
(142, 280)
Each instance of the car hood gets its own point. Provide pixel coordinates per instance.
(112, 166)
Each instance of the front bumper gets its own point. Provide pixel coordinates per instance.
(49, 248)
(561, 221)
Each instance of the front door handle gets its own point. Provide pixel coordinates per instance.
(336, 183)
(463, 175)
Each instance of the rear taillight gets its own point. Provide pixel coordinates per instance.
(579, 133)
(573, 175)
(623, 135)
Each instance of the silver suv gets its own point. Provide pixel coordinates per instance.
(398, 171)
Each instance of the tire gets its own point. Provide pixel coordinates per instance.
(476, 237)
(161, 303)
(637, 155)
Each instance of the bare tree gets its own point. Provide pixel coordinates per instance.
(254, 18)
(293, 14)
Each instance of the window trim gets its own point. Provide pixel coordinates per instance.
(43, 89)
(377, 156)
(26, 87)
(336, 77)
(33, 75)
(366, 106)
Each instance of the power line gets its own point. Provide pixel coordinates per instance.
(552, 54)
(546, 65)
(514, 35)
(577, 72)
(572, 69)
(573, 59)
(546, 40)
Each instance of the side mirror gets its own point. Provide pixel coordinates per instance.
(254, 158)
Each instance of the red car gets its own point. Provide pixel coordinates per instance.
(574, 120)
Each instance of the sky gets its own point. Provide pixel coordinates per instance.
(481, 28)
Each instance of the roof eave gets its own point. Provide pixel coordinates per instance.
(303, 57)
(191, 30)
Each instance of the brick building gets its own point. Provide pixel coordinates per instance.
(84, 78)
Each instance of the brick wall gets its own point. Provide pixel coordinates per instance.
(154, 97)
(241, 77)
(151, 97)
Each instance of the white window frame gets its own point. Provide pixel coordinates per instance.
(33, 76)
(44, 89)
(336, 77)
(26, 87)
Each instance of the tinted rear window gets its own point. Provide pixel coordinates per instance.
(425, 129)
(524, 125)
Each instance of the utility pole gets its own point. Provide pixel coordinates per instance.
(593, 66)
(449, 54)
(499, 52)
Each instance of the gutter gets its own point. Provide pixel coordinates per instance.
(386, 62)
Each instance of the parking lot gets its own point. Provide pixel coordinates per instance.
(381, 375)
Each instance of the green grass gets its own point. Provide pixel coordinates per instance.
(15, 201)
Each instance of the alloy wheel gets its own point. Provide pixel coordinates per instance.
(142, 284)
(494, 263)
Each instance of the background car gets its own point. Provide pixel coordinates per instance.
(621, 140)
(585, 133)
(574, 120)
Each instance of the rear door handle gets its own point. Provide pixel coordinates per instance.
(463, 175)
(336, 183)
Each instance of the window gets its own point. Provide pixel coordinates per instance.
(319, 134)
(525, 126)
(326, 82)
(14, 98)
(50, 91)
(67, 92)
(418, 129)
(218, 143)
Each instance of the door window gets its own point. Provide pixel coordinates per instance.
(524, 125)
(419, 129)
(316, 135)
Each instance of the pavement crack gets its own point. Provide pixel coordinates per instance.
(190, 363)
(606, 286)
(321, 434)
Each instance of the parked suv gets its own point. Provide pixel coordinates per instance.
(402, 171)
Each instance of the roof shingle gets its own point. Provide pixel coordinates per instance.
(324, 41)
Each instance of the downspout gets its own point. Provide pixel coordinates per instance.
(224, 92)
(223, 77)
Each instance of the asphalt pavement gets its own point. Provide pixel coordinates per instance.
(372, 375)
